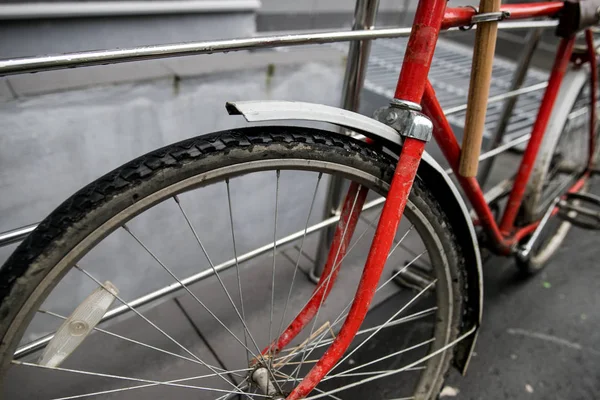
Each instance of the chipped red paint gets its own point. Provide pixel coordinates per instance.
(419, 50)
(457, 17)
(461, 16)
(563, 54)
(589, 37)
(380, 247)
(355, 199)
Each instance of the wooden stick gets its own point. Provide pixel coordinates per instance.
(479, 88)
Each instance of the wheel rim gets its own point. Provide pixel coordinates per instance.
(444, 310)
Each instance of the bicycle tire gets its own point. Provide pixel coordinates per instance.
(82, 221)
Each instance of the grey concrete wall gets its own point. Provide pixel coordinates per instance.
(23, 38)
(315, 6)
(277, 15)
(51, 145)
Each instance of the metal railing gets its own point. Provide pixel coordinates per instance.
(365, 11)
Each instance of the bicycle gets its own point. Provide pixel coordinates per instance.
(296, 357)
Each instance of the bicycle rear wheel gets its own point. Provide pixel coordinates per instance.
(562, 160)
(190, 216)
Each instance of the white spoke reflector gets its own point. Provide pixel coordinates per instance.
(79, 325)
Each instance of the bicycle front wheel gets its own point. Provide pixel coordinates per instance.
(223, 223)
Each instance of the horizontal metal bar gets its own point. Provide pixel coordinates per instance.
(175, 287)
(500, 97)
(16, 235)
(121, 8)
(507, 146)
(102, 57)
(500, 149)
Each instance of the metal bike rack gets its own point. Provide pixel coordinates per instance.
(360, 38)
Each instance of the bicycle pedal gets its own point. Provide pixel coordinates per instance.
(581, 210)
(415, 277)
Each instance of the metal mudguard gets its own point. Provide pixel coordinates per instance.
(437, 179)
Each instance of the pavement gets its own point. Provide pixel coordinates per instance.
(539, 338)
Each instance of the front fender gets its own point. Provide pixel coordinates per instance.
(437, 179)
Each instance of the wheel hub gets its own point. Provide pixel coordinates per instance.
(262, 378)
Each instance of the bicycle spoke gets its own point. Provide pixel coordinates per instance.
(343, 313)
(278, 173)
(124, 378)
(319, 342)
(268, 364)
(297, 264)
(155, 326)
(288, 377)
(229, 395)
(394, 354)
(328, 279)
(350, 248)
(401, 270)
(258, 354)
(138, 342)
(392, 372)
(408, 304)
(87, 395)
(370, 373)
(185, 287)
(237, 266)
(408, 318)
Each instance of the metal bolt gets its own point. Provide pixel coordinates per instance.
(78, 328)
(391, 117)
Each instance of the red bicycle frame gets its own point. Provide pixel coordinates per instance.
(413, 86)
